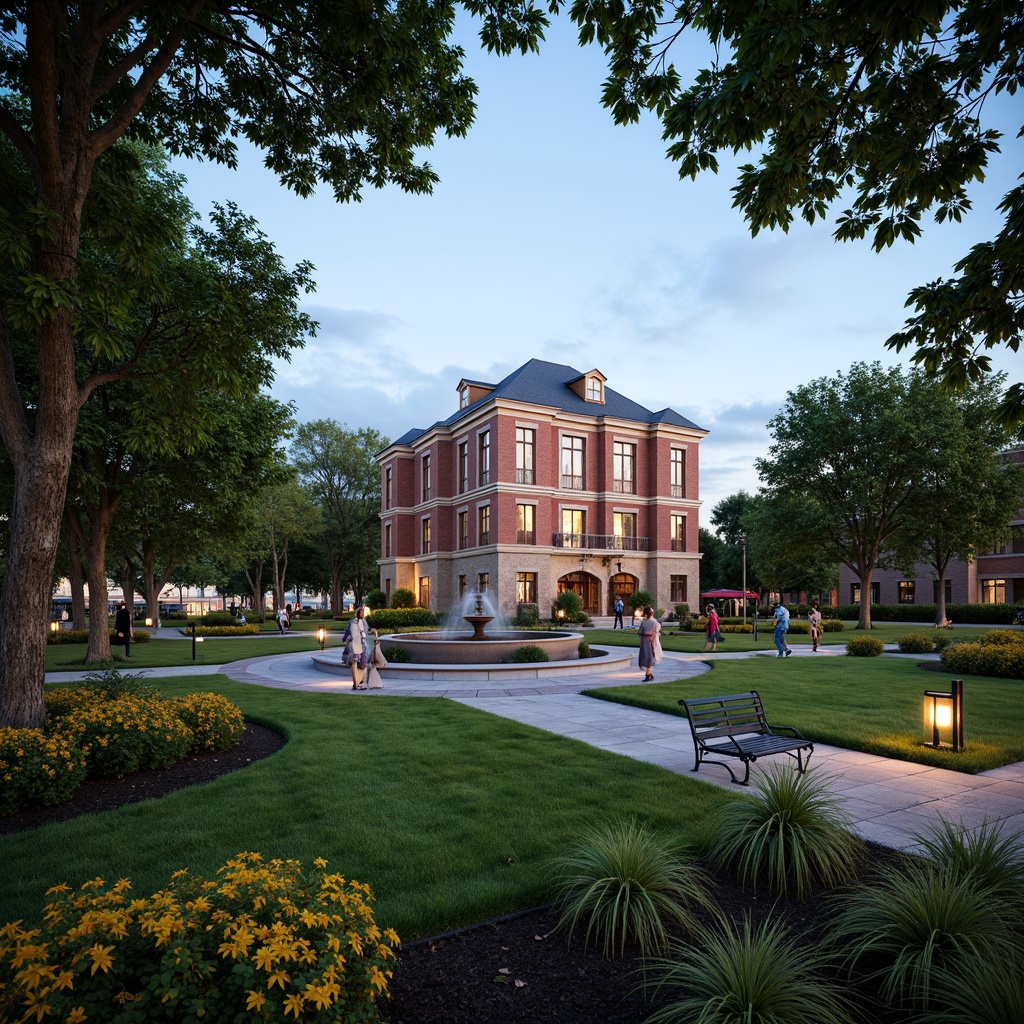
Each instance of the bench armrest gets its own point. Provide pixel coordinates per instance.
(791, 729)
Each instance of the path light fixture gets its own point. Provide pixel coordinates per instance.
(149, 623)
(54, 626)
(195, 640)
(944, 717)
(321, 638)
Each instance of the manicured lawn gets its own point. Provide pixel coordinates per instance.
(169, 653)
(870, 704)
(447, 812)
(693, 643)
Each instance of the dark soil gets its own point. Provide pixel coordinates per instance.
(511, 970)
(96, 795)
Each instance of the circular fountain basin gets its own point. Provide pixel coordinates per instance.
(457, 647)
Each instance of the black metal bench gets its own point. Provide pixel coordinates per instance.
(736, 726)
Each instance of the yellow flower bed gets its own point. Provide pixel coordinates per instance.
(263, 942)
(37, 769)
(215, 722)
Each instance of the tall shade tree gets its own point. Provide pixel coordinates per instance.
(332, 93)
(886, 106)
(968, 502)
(339, 467)
(852, 452)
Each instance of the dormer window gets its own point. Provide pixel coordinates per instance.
(464, 398)
(595, 389)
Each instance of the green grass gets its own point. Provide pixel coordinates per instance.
(869, 704)
(693, 643)
(178, 651)
(447, 812)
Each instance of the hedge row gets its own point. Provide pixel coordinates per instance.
(979, 614)
(999, 653)
(81, 636)
(397, 618)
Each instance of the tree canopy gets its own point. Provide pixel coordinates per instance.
(879, 105)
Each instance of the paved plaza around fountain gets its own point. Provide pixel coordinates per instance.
(889, 801)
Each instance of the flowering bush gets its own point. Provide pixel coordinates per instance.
(261, 942)
(215, 722)
(81, 636)
(37, 769)
(865, 647)
(123, 736)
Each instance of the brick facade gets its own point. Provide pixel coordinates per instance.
(601, 525)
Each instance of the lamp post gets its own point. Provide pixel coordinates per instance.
(744, 579)
(944, 717)
(321, 638)
(195, 640)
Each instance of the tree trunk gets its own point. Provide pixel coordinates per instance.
(41, 463)
(100, 521)
(336, 596)
(865, 600)
(76, 578)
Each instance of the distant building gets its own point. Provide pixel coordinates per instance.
(992, 577)
(547, 481)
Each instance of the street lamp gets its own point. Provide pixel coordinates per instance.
(944, 717)
(744, 538)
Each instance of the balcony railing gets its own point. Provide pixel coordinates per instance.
(678, 544)
(599, 541)
(484, 538)
(623, 487)
(677, 491)
(524, 476)
(571, 482)
(526, 536)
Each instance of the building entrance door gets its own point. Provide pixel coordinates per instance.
(622, 585)
(587, 586)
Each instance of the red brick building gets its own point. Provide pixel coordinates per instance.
(544, 482)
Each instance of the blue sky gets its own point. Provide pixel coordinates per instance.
(558, 235)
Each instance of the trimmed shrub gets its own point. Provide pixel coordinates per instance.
(623, 881)
(941, 641)
(639, 598)
(682, 611)
(398, 655)
(1001, 660)
(376, 599)
(865, 647)
(404, 618)
(37, 769)
(978, 614)
(261, 941)
(527, 616)
(124, 736)
(249, 629)
(584, 649)
(215, 722)
(217, 618)
(570, 604)
(916, 643)
(792, 836)
(81, 636)
(529, 653)
(803, 628)
(832, 626)
(403, 598)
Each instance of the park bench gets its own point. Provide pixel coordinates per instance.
(736, 726)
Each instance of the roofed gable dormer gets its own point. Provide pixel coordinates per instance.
(471, 391)
(590, 386)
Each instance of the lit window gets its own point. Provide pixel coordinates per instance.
(678, 473)
(483, 582)
(573, 463)
(526, 588)
(624, 528)
(424, 599)
(387, 540)
(993, 591)
(463, 530)
(484, 525)
(623, 467)
(526, 525)
(524, 455)
(426, 477)
(677, 530)
(425, 547)
(463, 466)
(905, 591)
(485, 458)
(574, 527)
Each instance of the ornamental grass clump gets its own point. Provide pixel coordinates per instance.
(747, 975)
(37, 769)
(991, 855)
(791, 836)
(921, 923)
(215, 722)
(623, 882)
(263, 941)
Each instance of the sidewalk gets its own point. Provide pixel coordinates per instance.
(890, 801)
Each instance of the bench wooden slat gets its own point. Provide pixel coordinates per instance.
(740, 718)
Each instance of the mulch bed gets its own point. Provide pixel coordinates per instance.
(510, 970)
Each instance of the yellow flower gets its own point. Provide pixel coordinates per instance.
(255, 1000)
(320, 862)
(293, 1004)
(279, 977)
(76, 1016)
(378, 979)
(101, 958)
(265, 958)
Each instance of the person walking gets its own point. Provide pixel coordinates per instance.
(123, 628)
(781, 629)
(618, 608)
(711, 632)
(356, 653)
(650, 643)
(282, 621)
(814, 617)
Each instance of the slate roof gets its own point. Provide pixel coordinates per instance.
(539, 382)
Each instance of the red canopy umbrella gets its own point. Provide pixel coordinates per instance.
(737, 594)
